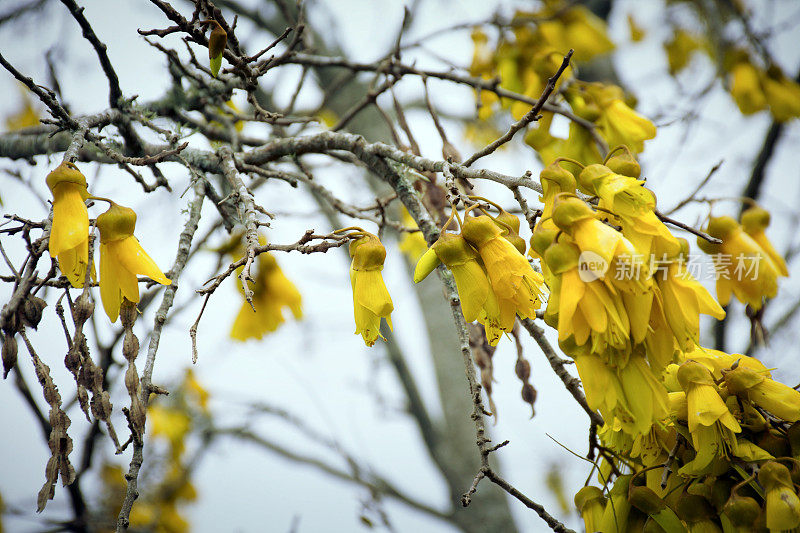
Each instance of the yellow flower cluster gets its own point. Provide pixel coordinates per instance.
(727, 417)
(627, 311)
(525, 59)
(121, 256)
(755, 89)
(494, 280)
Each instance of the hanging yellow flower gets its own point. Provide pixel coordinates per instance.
(371, 300)
(617, 123)
(783, 505)
(711, 425)
(746, 88)
(512, 279)
(122, 258)
(743, 268)
(272, 292)
(775, 397)
(755, 221)
(783, 95)
(69, 234)
(684, 300)
(586, 310)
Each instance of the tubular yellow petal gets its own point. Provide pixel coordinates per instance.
(70, 219)
(247, 325)
(371, 293)
(132, 256)
(473, 288)
(110, 292)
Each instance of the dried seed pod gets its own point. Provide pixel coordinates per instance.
(523, 369)
(83, 308)
(529, 396)
(9, 354)
(32, 311)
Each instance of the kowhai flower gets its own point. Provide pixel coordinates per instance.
(711, 424)
(272, 292)
(371, 300)
(69, 234)
(122, 258)
(512, 279)
(743, 267)
(755, 221)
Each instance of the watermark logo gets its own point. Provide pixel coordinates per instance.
(591, 266)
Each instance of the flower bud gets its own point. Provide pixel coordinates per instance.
(523, 369)
(426, 264)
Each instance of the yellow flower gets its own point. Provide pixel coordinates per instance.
(680, 49)
(617, 122)
(478, 302)
(783, 95)
(512, 279)
(783, 505)
(777, 398)
(272, 292)
(586, 310)
(743, 268)
(615, 515)
(633, 205)
(371, 300)
(754, 221)
(122, 258)
(26, 117)
(590, 503)
(413, 243)
(195, 389)
(646, 394)
(684, 300)
(711, 424)
(746, 88)
(69, 234)
(171, 424)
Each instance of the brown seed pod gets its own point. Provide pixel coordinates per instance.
(523, 369)
(32, 311)
(9, 354)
